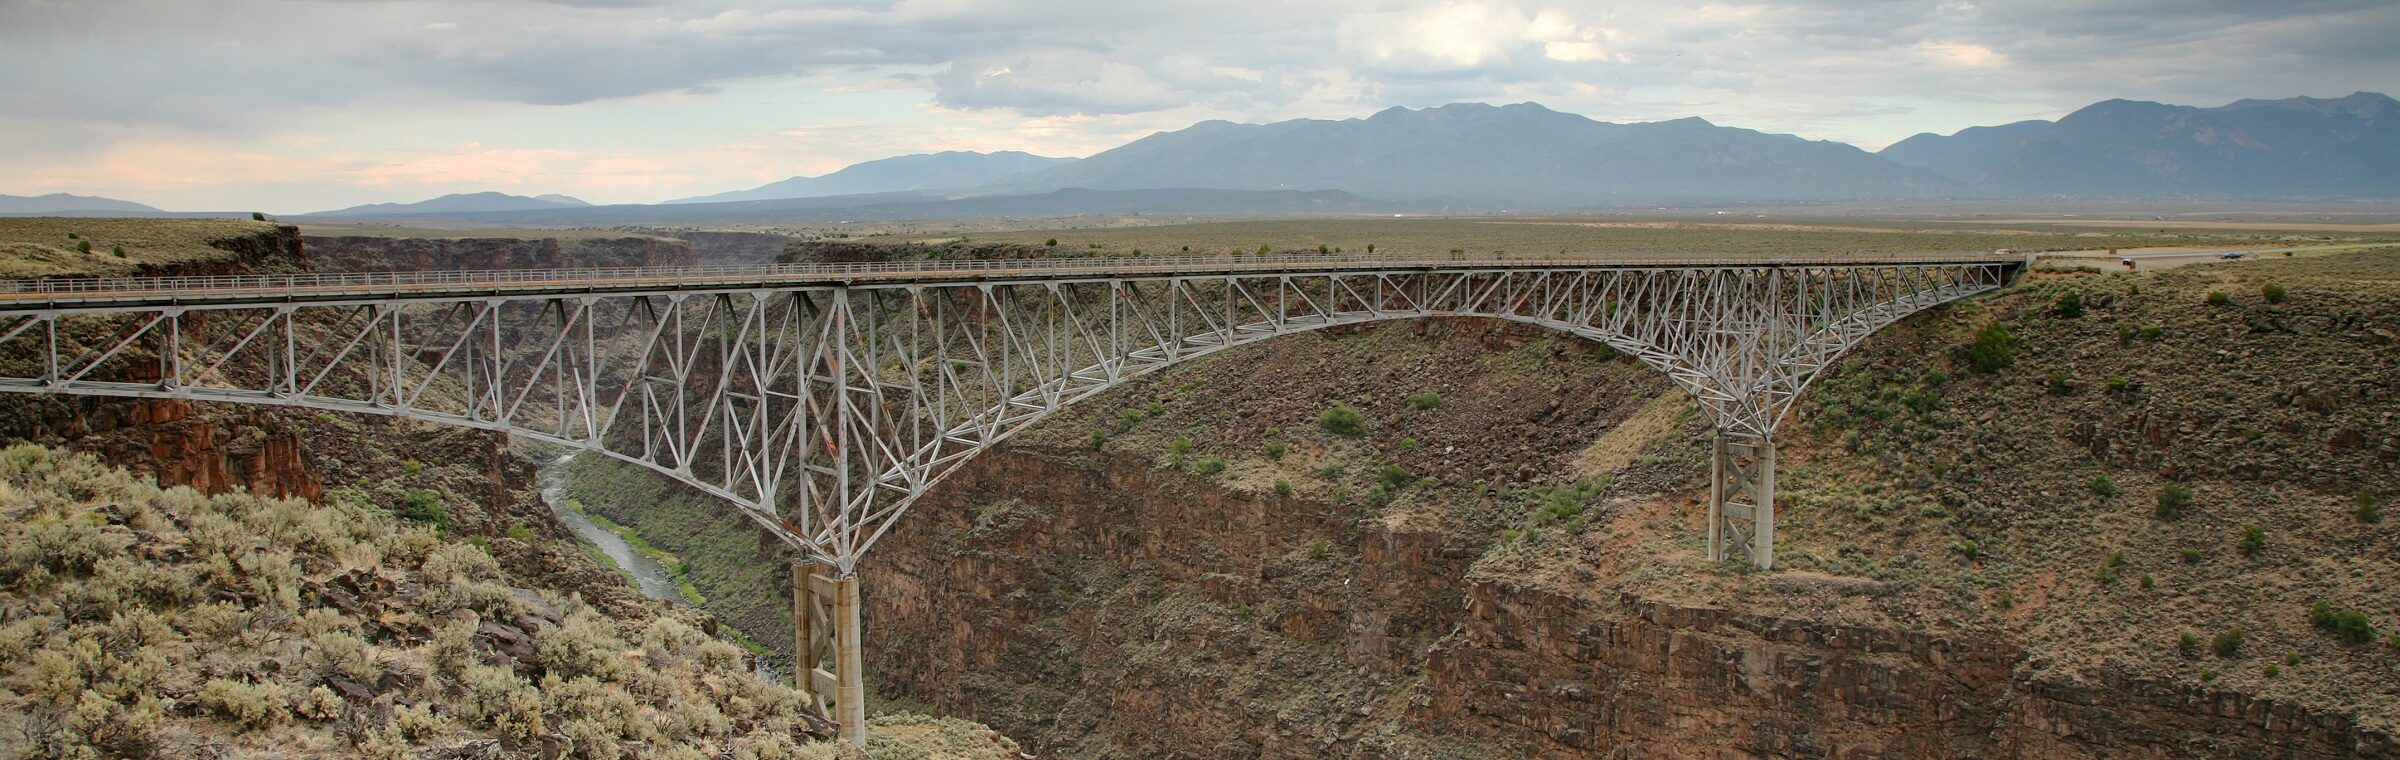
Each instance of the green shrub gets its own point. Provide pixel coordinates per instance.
(2174, 499)
(1051, 243)
(2219, 298)
(256, 216)
(1994, 349)
(2365, 506)
(2109, 567)
(2104, 487)
(2148, 582)
(2273, 671)
(2274, 292)
(1127, 419)
(1424, 400)
(1208, 466)
(1332, 471)
(83, 246)
(521, 533)
(2207, 675)
(2344, 623)
(1343, 419)
(2187, 645)
(2228, 644)
(2254, 540)
(1283, 488)
(425, 507)
(1275, 450)
(1323, 248)
(2071, 304)
(1370, 247)
(2059, 384)
(2154, 332)
(1393, 477)
(1263, 249)
(118, 250)
(2118, 383)
(251, 705)
(1408, 443)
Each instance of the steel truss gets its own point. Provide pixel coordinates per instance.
(823, 401)
(823, 411)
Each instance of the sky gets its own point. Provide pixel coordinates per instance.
(291, 106)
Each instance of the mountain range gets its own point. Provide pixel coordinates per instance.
(62, 203)
(2290, 149)
(899, 174)
(1472, 157)
(459, 203)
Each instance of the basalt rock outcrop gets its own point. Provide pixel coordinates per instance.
(393, 254)
(1105, 608)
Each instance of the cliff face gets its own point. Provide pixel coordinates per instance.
(1110, 609)
(386, 254)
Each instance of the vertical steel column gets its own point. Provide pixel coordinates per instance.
(1741, 498)
(849, 654)
(825, 625)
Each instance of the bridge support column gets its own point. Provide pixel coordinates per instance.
(1741, 500)
(825, 624)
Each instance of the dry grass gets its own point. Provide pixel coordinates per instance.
(41, 246)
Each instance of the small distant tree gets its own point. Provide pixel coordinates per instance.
(1323, 248)
(1051, 243)
(2254, 540)
(1263, 249)
(1343, 419)
(2274, 292)
(2071, 304)
(1370, 247)
(2228, 644)
(83, 246)
(1993, 350)
(118, 250)
(2174, 499)
(2344, 623)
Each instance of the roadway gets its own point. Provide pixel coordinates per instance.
(360, 287)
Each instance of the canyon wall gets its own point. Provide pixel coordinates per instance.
(394, 254)
(1098, 607)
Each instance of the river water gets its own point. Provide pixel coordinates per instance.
(647, 574)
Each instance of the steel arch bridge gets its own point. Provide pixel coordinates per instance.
(822, 400)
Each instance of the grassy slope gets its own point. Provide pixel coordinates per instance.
(40, 246)
(148, 622)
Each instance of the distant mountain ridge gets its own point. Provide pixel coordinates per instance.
(457, 203)
(1516, 154)
(60, 203)
(919, 172)
(2294, 148)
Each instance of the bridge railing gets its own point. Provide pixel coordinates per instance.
(96, 288)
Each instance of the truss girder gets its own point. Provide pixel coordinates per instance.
(824, 411)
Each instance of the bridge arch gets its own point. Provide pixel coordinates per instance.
(823, 400)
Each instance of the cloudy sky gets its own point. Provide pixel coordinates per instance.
(301, 105)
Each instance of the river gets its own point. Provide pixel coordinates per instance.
(648, 575)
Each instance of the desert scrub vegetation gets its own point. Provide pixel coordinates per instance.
(137, 621)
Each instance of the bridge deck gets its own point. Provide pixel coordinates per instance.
(136, 292)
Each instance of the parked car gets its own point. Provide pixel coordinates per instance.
(2231, 255)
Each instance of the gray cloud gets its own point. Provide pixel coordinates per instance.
(231, 66)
